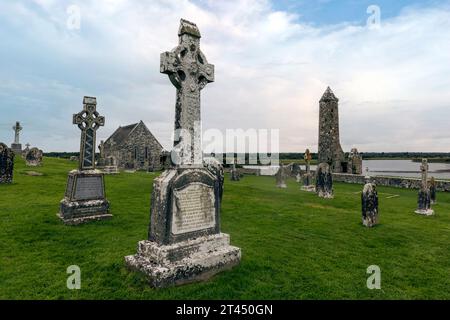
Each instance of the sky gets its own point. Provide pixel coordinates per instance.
(273, 61)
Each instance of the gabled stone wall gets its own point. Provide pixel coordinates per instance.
(139, 151)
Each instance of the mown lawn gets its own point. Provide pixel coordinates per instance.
(294, 245)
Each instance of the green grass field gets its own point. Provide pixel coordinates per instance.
(294, 245)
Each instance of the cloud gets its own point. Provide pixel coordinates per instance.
(271, 70)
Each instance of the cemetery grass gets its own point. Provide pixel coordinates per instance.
(294, 245)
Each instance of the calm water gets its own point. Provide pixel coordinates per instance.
(398, 168)
(405, 168)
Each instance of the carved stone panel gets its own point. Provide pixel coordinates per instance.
(193, 208)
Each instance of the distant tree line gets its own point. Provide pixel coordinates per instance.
(416, 156)
(63, 155)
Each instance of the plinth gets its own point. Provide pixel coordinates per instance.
(185, 243)
(17, 148)
(85, 198)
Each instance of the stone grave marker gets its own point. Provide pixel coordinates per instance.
(34, 157)
(424, 196)
(16, 146)
(185, 243)
(433, 190)
(307, 177)
(85, 198)
(281, 177)
(25, 151)
(369, 202)
(6, 164)
(296, 172)
(324, 181)
(234, 174)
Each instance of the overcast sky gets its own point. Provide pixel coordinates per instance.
(273, 62)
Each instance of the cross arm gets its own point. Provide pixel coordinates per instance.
(78, 118)
(170, 66)
(206, 71)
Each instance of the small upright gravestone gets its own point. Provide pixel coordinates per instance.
(369, 201)
(85, 198)
(34, 157)
(235, 175)
(296, 172)
(433, 190)
(307, 177)
(281, 177)
(324, 181)
(424, 196)
(25, 151)
(185, 243)
(6, 164)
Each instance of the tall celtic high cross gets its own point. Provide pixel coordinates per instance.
(17, 128)
(189, 72)
(424, 169)
(88, 121)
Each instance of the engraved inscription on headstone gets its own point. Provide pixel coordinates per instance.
(89, 188)
(193, 208)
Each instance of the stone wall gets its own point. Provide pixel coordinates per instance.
(405, 183)
(396, 182)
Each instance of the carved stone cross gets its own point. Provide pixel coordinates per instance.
(17, 128)
(189, 72)
(88, 121)
(424, 169)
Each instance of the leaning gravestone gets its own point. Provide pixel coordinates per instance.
(185, 243)
(424, 196)
(281, 177)
(369, 201)
(235, 176)
(6, 164)
(324, 181)
(34, 157)
(433, 190)
(307, 177)
(85, 198)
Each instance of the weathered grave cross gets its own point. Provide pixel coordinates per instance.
(17, 128)
(88, 121)
(424, 169)
(189, 72)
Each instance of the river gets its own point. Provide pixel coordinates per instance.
(397, 168)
